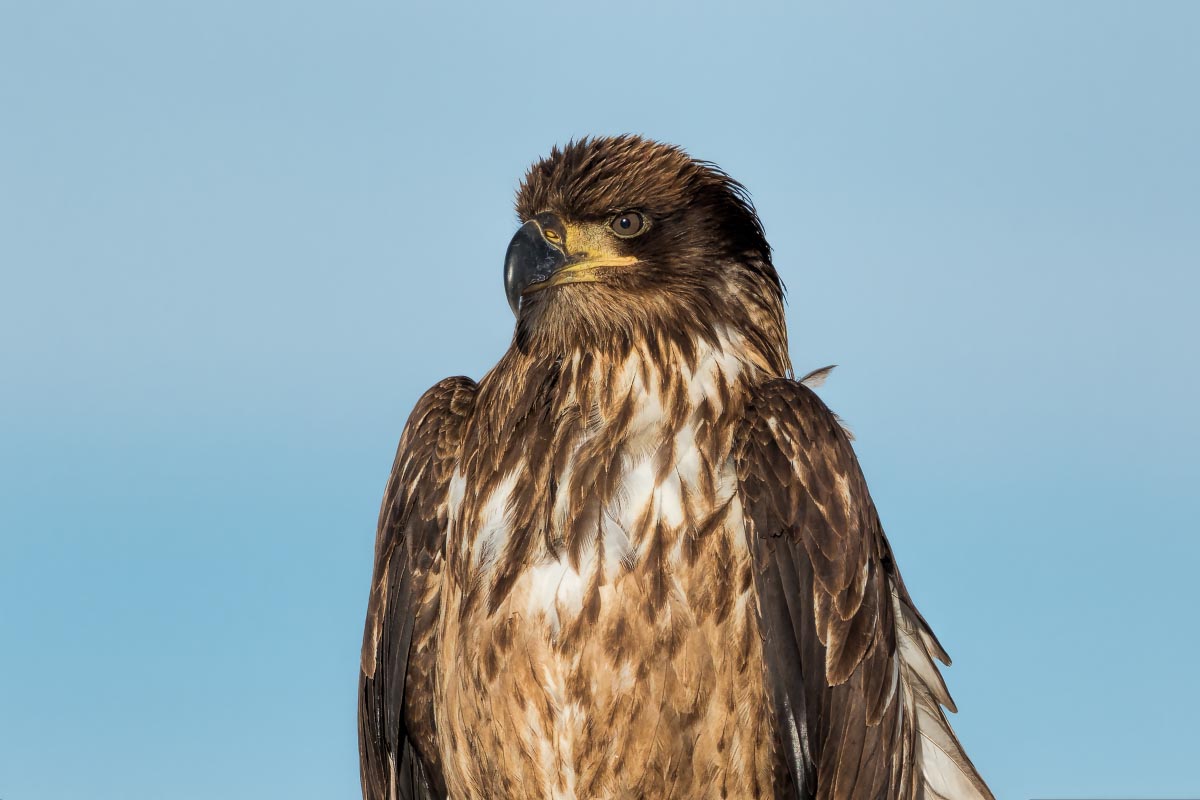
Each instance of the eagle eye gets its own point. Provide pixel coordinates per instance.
(628, 224)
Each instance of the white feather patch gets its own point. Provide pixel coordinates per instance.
(494, 531)
(945, 773)
(555, 591)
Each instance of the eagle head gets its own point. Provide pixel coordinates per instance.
(624, 237)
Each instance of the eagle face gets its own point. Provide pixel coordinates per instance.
(623, 235)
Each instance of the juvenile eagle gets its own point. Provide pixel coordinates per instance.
(637, 559)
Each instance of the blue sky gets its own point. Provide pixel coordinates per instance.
(239, 239)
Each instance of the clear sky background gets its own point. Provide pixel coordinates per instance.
(239, 239)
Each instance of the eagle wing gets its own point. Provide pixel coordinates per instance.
(396, 735)
(849, 661)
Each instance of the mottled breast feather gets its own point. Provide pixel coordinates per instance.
(850, 662)
(599, 634)
(397, 740)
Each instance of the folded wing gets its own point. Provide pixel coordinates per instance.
(850, 662)
(396, 735)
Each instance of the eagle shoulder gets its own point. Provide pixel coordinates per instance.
(397, 741)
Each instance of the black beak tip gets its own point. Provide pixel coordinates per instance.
(530, 259)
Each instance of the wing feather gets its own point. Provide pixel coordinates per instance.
(850, 662)
(397, 739)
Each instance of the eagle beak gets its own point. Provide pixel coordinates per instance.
(530, 259)
(537, 257)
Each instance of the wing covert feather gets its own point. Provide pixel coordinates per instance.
(397, 740)
(850, 662)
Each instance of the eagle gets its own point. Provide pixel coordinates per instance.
(638, 559)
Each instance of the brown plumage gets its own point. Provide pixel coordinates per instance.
(637, 560)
